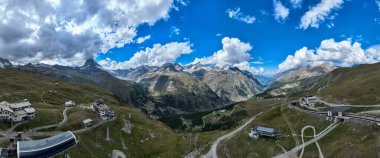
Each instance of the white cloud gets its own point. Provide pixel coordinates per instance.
(257, 62)
(237, 15)
(378, 4)
(180, 3)
(48, 30)
(280, 11)
(296, 3)
(319, 13)
(247, 67)
(234, 53)
(155, 56)
(142, 39)
(175, 31)
(341, 54)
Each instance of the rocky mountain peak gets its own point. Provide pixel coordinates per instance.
(5, 63)
(175, 67)
(91, 64)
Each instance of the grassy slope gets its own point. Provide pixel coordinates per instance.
(358, 85)
(279, 117)
(24, 85)
(351, 140)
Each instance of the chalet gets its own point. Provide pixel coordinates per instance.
(102, 109)
(16, 112)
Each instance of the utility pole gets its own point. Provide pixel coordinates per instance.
(108, 132)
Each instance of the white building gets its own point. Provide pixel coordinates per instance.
(311, 101)
(70, 103)
(102, 109)
(87, 122)
(17, 112)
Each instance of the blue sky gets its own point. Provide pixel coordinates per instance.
(260, 36)
(205, 23)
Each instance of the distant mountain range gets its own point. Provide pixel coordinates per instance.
(168, 89)
(229, 84)
(302, 73)
(295, 81)
(176, 89)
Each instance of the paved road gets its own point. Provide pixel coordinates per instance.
(64, 113)
(337, 105)
(213, 151)
(316, 143)
(292, 152)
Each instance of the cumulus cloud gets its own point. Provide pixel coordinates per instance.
(155, 56)
(296, 3)
(341, 54)
(56, 30)
(319, 13)
(234, 53)
(280, 11)
(237, 15)
(142, 39)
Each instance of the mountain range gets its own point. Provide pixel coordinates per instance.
(164, 90)
(228, 84)
(173, 89)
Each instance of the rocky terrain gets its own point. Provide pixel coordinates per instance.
(230, 83)
(5, 63)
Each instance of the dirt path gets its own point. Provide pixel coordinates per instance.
(338, 105)
(213, 151)
(290, 126)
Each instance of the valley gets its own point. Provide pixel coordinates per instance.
(216, 131)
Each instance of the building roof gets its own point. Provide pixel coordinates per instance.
(265, 129)
(4, 103)
(20, 104)
(29, 110)
(48, 147)
(19, 112)
(339, 109)
(5, 107)
(70, 102)
(86, 121)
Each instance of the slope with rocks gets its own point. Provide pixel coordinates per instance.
(174, 88)
(231, 82)
(297, 81)
(5, 63)
(302, 73)
(149, 138)
(355, 85)
(92, 73)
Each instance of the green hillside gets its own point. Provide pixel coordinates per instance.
(149, 138)
(357, 85)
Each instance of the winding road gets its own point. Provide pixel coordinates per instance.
(55, 125)
(320, 135)
(212, 153)
(316, 143)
